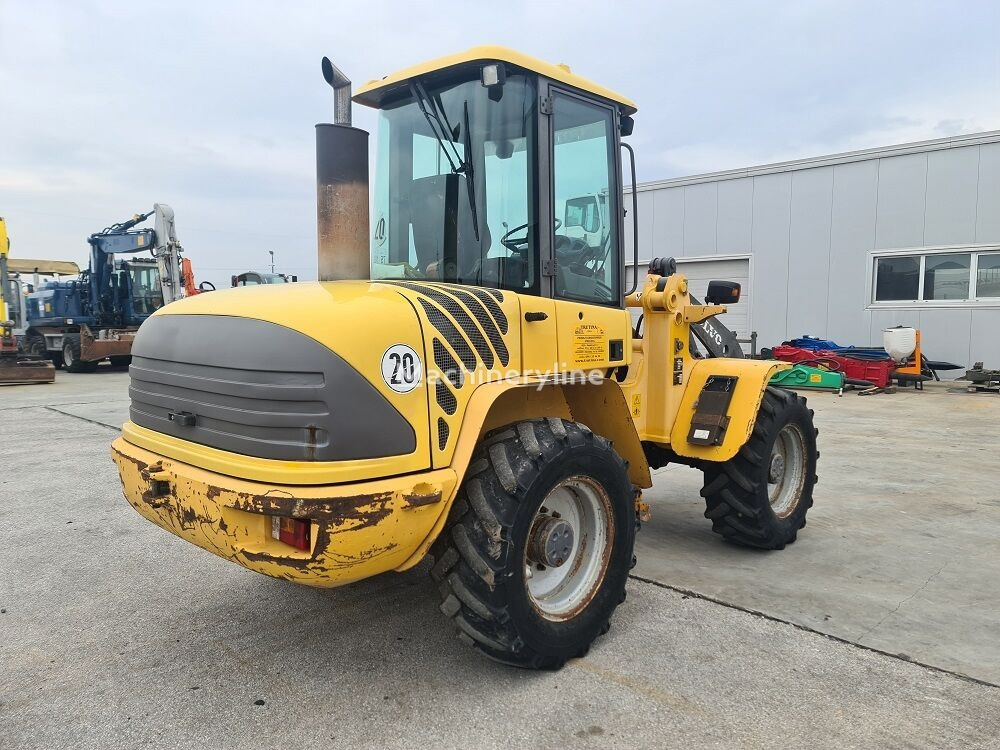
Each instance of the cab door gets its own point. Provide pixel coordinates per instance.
(594, 329)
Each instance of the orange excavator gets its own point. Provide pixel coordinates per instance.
(187, 270)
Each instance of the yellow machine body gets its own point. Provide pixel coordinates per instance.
(375, 515)
(15, 368)
(487, 358)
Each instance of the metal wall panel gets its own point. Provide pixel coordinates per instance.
(811, 230)
(735, 216)
(945, 334)
(647, 221)
(984, 339)
(988, 205)
(882, 319)
(668, 224)
(902, 182)
(809, 252)
(852, 236)
(769, 243)
(952, 179)
(701, 204)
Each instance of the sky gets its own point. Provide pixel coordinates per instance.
(107, 106)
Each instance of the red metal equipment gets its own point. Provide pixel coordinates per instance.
(876, 372)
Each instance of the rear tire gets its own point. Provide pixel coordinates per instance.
(760, 497)
(71, 355)
(504, 601)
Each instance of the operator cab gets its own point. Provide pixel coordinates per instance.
(139, 281)
(499, 170)
(255, 278)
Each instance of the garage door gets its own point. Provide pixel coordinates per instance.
(699, 272)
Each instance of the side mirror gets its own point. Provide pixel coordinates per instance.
(722, 293)
(294, 279)
(235, 280)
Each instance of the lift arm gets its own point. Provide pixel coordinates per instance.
(119, 238)
(718, 340)
(168, 254)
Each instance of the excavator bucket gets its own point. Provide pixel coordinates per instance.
(21, 369)
(25, 371)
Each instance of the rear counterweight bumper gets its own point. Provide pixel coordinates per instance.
(356, 530)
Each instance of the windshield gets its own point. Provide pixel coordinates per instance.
(147, 297)
(453, 188)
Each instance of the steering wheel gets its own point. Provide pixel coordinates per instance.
(206, 286)
(520, 244)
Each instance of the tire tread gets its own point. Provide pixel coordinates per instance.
(469, 556)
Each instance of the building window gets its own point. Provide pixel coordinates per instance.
(937, 276)
(988, 276)
(897, 278)
(946, 276)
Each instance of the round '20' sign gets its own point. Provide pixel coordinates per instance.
(401, 368)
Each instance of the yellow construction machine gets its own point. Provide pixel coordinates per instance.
(16, 368)
(466, 380)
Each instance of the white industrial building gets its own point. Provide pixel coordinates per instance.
(843, 246)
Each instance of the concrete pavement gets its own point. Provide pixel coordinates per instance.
(117, 634)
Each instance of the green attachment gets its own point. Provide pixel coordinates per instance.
(809, 378)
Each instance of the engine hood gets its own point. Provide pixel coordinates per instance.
(291, 373)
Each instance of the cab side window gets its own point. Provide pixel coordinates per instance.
(585, 234)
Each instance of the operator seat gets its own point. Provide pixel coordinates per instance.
(428, 217)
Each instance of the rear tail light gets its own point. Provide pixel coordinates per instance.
(291, 531)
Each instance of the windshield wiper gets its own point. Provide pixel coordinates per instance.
(470, 180)
(438, 128)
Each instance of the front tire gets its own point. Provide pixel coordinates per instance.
(760, 497)
(540, 543)
(71, 355)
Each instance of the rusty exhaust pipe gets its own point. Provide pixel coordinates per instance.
(341, 188)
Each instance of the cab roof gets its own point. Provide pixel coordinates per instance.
(373, 92)
(29, 265)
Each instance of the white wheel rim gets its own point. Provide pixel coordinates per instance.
(560, 593)
(786, 471)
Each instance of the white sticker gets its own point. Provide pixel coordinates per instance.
(401, 368)
(701, 434)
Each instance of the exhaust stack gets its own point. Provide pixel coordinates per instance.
(341, 188)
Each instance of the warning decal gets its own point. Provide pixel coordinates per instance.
(589, 344)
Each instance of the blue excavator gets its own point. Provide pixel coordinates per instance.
(80, 322)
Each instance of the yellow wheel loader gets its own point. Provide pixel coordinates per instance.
(466, 380)
(16, 368)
